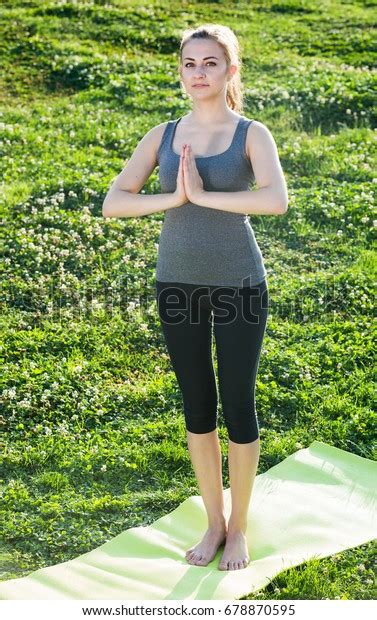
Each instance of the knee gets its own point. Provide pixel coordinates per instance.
(201, 418)
(247, 435)
(200, 425)
(241, 423)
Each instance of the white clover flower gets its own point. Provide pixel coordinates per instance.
(62, 429)
(25, 403)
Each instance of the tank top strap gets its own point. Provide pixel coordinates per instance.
(239, 140)
(167, 135)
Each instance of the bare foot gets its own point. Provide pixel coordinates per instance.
(235, 554)
(206, 549)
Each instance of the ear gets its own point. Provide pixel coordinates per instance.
(232, 70)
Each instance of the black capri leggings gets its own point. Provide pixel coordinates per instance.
(238, 316)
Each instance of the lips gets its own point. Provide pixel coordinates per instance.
(199, 85)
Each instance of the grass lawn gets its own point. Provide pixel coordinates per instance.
(94, 439)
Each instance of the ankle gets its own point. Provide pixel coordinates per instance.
(235, 527)
(217, 524)
(236, 532)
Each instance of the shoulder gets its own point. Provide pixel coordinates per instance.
(153, 137)
(155, 133)
(258, 137)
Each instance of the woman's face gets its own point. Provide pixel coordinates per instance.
(203, 62)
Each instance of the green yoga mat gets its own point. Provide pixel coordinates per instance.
(317, 502)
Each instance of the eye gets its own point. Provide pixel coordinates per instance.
(209, 62)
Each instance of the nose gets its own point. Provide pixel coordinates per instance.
(200, 73)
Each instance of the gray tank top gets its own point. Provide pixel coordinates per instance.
(199, 245)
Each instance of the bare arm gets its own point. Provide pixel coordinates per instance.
(123, 198)
(271, 197)
(122, 203)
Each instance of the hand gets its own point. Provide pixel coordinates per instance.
(180, 194)
(192, 180)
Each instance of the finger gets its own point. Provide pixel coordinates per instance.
(192, 159)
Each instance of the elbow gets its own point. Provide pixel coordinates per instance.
(105, 212)
(106, 209)
(281, 203)
(278, 200)
(282, 208)
(111, 207)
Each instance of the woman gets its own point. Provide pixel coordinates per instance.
(210, 267)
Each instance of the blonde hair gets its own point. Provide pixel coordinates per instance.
(229, 42)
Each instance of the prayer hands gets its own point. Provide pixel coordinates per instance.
(192, 180)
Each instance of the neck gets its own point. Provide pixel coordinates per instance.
(207, 113)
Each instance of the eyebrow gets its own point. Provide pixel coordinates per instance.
(206, 58)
